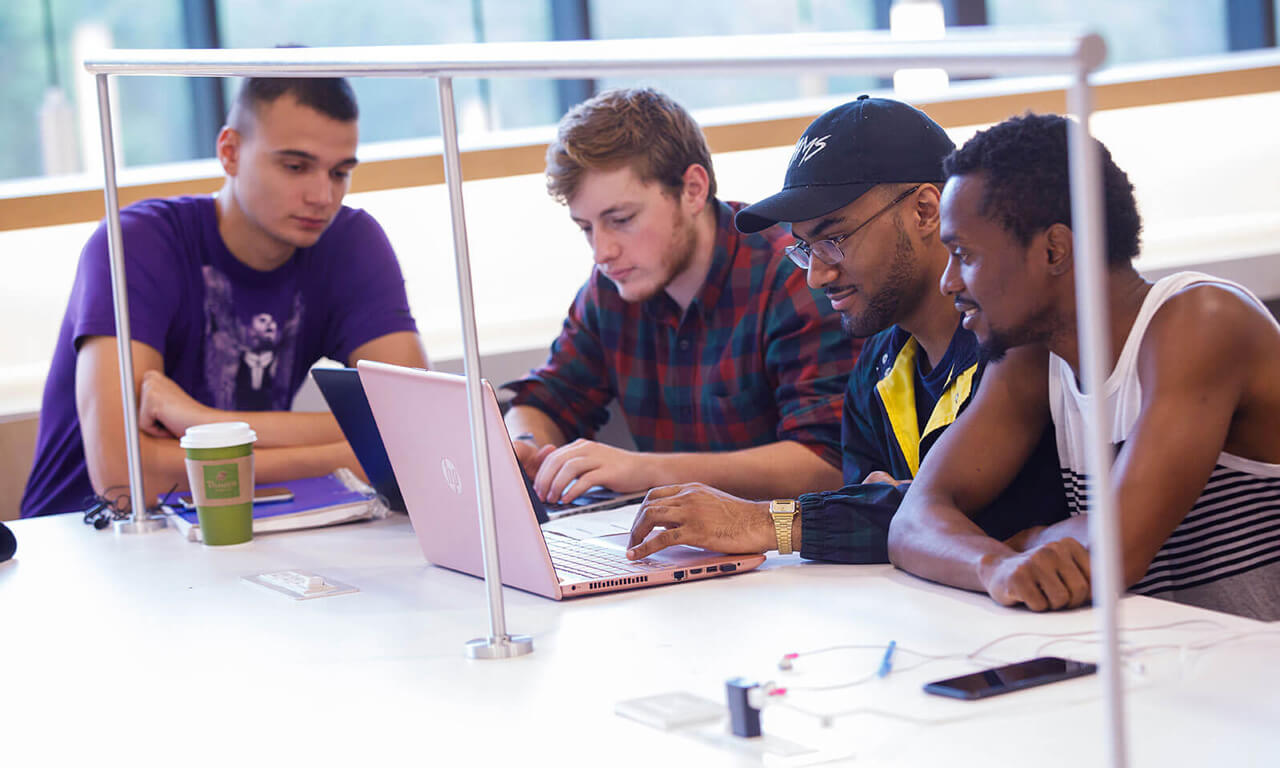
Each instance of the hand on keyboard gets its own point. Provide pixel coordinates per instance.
(701, 516)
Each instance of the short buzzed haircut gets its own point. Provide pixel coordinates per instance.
(638, 127)
(330, 96)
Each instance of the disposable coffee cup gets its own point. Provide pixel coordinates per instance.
(220, 471)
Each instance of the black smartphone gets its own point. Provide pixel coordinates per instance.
(1011, 677)
(260, 496)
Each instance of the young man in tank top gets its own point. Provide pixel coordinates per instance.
(1193, 397)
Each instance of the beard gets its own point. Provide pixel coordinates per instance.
(1037, 330)
(996, 346)
(677, 257)
(901, 287)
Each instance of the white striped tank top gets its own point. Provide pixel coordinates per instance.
(1225, 554)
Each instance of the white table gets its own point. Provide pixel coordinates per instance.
(152, 650)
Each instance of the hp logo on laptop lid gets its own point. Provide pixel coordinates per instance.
(451, 475)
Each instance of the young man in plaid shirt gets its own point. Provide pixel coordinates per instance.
(728, 369)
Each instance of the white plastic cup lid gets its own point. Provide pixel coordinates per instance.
(223, 434)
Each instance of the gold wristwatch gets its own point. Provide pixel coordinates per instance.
(783, 512)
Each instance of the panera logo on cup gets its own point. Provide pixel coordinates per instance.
(221, 481)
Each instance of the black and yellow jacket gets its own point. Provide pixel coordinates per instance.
(893, 415)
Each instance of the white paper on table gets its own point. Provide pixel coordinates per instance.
(594, 524)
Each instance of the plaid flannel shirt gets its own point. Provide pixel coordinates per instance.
(756, 358)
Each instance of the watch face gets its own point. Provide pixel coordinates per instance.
(783, 513)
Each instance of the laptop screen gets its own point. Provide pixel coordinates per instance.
(345, 395)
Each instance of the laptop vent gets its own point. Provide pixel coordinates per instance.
(618, 582)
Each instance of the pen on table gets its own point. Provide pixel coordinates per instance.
(886, 663)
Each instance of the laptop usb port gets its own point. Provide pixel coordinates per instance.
(728, 567)
(694, 571)
(678, 574)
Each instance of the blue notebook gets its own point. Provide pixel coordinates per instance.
(335, 498)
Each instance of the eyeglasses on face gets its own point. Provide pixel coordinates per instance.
(828, 251)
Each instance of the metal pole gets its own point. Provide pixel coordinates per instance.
(735, 56)
(1092, 313)
(499, 645)
(140, 522)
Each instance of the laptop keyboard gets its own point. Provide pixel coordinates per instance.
(593, 561)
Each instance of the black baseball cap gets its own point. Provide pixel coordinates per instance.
(847, 151)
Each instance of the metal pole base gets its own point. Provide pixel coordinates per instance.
(141, 525)
(504, 647)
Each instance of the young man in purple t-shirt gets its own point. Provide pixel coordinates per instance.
(231, 300)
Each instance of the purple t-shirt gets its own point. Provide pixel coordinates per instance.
(232, 337)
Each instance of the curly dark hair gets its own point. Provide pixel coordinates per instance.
(1024, 162)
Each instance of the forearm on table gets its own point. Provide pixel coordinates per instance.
(1134, 560)
(288, 429)
(270, 465)
(1074, 527)
(274, 465)
(778, 470)
(164, 466)
(936, 541)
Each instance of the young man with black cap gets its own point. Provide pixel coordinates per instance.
(862, 192)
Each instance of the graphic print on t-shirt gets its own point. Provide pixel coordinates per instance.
(247, 362)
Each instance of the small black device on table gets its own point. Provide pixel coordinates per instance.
(1011, 677)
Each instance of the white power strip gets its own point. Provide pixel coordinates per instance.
(300, 585)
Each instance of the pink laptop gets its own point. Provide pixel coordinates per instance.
(423, 419)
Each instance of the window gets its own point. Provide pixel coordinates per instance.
(397, 108)
(1135, 30)
(44, 40)
(678, 18)
(174, 119)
